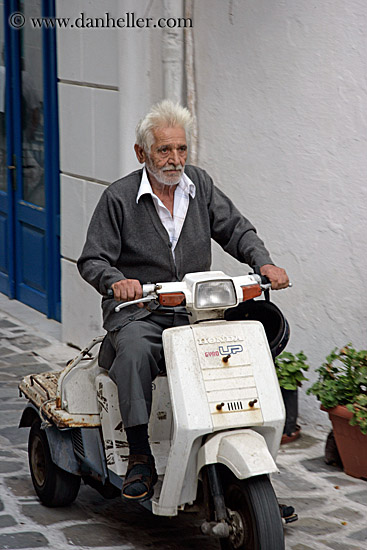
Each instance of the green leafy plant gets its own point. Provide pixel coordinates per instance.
(359, 410)
(343, 381)
(289, 369)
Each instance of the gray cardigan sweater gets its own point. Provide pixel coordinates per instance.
(128, 240)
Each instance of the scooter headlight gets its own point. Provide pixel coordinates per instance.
(215, 294)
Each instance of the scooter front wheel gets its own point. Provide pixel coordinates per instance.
(54, 487)
(255, 522)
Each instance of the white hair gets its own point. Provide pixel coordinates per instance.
(162, 115)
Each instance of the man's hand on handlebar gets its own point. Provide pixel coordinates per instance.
(127, 290)
(276, 275)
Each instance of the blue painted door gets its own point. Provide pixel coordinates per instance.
(29, 186)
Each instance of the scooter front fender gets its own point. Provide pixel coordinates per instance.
(244, 452)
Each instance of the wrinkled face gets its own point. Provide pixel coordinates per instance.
(168, 155)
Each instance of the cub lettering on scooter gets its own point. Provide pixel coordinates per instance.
(216, 423)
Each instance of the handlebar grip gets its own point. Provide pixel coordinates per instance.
(147, 289)
(264, 280)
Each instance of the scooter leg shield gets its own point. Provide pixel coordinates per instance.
(244, 452)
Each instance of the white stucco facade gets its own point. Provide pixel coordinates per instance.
(280, 96)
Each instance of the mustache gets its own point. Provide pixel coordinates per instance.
(172, 167)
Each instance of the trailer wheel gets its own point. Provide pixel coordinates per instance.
(54, 486)
(254, 514)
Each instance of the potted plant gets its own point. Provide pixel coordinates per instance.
(342, 390)
(289, 369)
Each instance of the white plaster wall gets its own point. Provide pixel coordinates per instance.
(282, 115)
(81, 316)
(89, 150)
(88, 56)
(108, 78)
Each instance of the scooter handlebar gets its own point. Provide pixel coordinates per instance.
(149, 292)
(147, 289)
(266, 284)
(263, 280)
(148, 296)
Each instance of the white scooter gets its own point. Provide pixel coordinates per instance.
(216, 423)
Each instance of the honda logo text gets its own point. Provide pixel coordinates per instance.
(218, 340)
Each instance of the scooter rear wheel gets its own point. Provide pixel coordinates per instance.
(254, 513)
(54, 487)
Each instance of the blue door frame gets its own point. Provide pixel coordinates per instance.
(30, 234)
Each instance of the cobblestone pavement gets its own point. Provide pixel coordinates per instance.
(331, 505)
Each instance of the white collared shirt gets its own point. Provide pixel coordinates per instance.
(172, 224)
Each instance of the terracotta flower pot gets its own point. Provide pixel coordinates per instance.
(351, 443)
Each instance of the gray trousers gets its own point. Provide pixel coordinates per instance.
(138, 359)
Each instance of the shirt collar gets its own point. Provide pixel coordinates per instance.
(185, 184)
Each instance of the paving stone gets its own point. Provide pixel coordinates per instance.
(6, 351)
(359, 535)
(5, 392)
(178, 533)
(12, 403)
(302, 547)
(8, 377)
(7, 521)
(340, 546)
(4, 323)
(159, 532)
(19, 359)
(20, 486)
(24, 540)
(198, 542)
(306, 441)
(79, 535)
(7, 454)
(20, 371)
(12, 385)
(341, 481)
(29, 341)
(359, 496)
(317, 527)
(346, 514)
(10, 418)
(295, 482)
(9, 467)
(308, 505)
(48, 516)
(16, 436)
(318, 465)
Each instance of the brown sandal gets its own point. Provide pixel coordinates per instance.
(141, 476)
